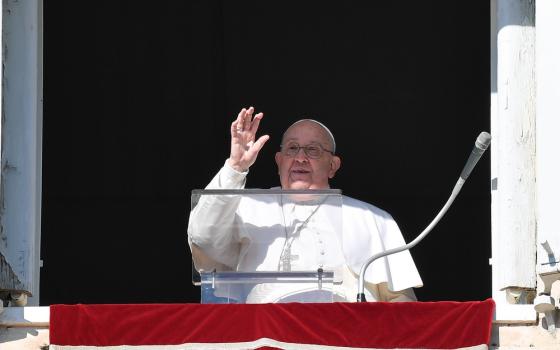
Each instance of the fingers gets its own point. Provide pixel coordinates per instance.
(248, 118)
(256, 122)
(237, 125)
(246, 122)
(233, 128)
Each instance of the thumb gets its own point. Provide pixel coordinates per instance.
(256, 147)
(260, 142)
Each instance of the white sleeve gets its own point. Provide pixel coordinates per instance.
(228, 178)
(212, 245)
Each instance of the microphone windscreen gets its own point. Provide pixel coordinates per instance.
(483, 140)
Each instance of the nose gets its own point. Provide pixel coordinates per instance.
(301, 156)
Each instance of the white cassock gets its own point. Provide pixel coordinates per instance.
(266, 234)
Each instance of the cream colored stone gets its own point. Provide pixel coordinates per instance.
(23, 338)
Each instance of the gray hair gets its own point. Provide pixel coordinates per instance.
(331, 137)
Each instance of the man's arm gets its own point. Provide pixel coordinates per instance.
(213, 230)
(213, 238)
(369, 231)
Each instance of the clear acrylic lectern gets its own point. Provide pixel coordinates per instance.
(266, 246)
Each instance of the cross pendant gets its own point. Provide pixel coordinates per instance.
(287, 259)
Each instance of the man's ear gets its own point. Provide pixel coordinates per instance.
(335, 165)
(277, 158)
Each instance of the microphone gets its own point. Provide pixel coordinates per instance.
(481, 144)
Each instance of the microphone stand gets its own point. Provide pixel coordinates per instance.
(361, 295)
(481, 145)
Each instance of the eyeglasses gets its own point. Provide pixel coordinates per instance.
(313, 151)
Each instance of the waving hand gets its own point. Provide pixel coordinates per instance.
(244, 148)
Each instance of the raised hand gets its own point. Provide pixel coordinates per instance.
(244, 148)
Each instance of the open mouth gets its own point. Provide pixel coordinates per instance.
(300, 171)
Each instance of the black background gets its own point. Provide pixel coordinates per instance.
(138, 99)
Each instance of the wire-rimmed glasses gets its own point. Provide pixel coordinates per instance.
(313, 150)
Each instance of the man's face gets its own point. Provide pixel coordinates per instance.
(300, 172)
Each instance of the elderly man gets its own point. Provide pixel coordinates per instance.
(306, 160)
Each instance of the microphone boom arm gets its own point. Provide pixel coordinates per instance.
(361, 295)
(481, 144)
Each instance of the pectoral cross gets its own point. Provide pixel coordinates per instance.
(287, 258)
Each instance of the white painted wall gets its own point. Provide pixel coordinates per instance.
(548, 129)
(20, 201)
(513, 112)
(513, 249)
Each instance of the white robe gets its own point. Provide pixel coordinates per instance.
(260, 228)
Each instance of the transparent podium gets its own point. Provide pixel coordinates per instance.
(266, 246)
(232, 287)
